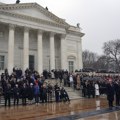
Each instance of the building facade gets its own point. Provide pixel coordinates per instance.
(32, 37)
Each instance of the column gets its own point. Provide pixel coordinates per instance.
(11, 48)
(80, 63)
(26, 49)
(40, 52)
(63, 53)
(52, 51)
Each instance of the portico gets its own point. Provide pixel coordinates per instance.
(32, 42)
(39, 49)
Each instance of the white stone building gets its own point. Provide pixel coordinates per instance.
(33, 37)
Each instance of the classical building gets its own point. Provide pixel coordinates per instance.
(33, 37)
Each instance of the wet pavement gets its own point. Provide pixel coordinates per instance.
(52, 110)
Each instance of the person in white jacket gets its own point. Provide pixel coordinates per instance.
(97, 93)
(71, 80)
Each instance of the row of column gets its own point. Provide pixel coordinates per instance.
(39, 50)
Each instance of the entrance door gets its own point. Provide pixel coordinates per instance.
(71, 66)
(31, 62)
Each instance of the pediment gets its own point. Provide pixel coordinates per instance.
(33, 10)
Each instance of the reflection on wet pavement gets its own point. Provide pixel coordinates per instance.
(108, 116)
(51, 110)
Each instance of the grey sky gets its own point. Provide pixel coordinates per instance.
(99, 19)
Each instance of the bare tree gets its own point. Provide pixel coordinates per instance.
(104, 62)
(112, 50)
(89, 59)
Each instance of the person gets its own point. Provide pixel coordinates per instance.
(92, 89)
(30, 93)
(84, 88)
(16, 93)
(1, 93)
(57, 90)
(117, 92)
(88, 89)
(44, 93)
(71, 80)
(60, 75)
(7, 95)
(78, 82)
(49, 89)
(36, 93)
(110, 93)
(24, 94)
(52, 74)
(97, 93)
(64, 95)
(65, 79)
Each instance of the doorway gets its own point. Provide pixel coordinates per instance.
(31, 62)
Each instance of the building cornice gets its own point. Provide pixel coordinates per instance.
(58, 21)
(76, 33)
(34, 5)
(33, 19)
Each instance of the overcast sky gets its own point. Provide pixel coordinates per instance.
(99, 19)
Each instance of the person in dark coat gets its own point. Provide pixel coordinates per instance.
(44, 93)
(16, 94)
(56, 74)
(84, 88)
(45, 74)
(117, 92)
(30, 93)
(24, 94)
(7, 95)
(110, 93)
(92, 89)
(88, 89)
(57, 90)
(64, 95)
(60, 75)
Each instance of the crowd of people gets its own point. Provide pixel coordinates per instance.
(106, 85)
(31, 86)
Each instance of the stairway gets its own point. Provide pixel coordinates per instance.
(73, 94)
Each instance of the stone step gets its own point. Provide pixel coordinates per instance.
(73, 94)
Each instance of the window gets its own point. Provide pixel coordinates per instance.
(71, 66)
(2, 60)
(31, 62)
